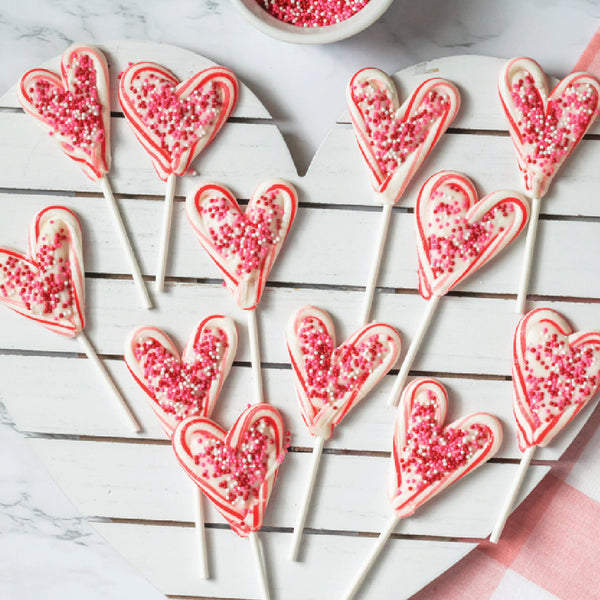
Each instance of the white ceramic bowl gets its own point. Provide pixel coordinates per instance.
(263, 21)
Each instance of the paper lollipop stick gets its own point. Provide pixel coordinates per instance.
(556, 372)
(545, 128)
(456, 234)
(75, 110)
(189, 386)
(394, 140)
(244, 245)
(175, 121)
(48, 285)
(236, 469)
(428, 457)
(331, 380)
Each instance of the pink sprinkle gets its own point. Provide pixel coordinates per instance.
(312, 13)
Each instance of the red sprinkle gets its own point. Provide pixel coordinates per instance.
(312, 13)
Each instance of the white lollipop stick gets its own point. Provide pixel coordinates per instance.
(200, 533)
(260, 565)
(91, 354)
(512, 494)
(305, 500)
(118, 221)
(165, 233)
(373, 274)
(528, 255)
(371, 557)
(255, 355)
(412, 350)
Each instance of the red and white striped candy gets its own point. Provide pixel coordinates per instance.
(545, 128)
(457, 233)
(48, 285)
(428, 457)
(235, 469)
(331, 380)
(556, 371)
(244, 245)
(173, 120)
(187, 386)
(75, 107)
(395, 140)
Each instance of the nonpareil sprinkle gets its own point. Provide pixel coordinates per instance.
(312, 13)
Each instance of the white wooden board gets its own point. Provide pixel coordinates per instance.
(130, 485)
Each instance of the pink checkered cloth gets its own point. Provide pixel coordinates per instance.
(550, 547)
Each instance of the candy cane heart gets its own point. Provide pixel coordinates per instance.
(556, 372)
(236, 469)
(545, 127)
(395, 140)
(331, 380)
(457, 233)
(428, 457)
(48, 285)
(187, 386)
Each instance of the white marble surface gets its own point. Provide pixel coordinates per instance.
(47, 551)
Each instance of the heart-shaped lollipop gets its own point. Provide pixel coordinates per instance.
(75, 107)
(457, 233)
(180, 387)
(545, 128)
(556, 371)
(48, 285)
(394, 139)
(331, 380)
(244, 245)
(428, 457)
(235, 469)
(173, 120)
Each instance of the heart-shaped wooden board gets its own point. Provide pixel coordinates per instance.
(137, 490)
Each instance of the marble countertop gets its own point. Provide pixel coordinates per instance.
(47, 550)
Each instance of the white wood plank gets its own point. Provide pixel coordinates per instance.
(318, 249)
(338, 175)
(182, 63)
(78, 405)
(405, 566)
(32, 161)
(147, 483)
(481, 348)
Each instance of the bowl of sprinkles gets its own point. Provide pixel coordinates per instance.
(312, 21)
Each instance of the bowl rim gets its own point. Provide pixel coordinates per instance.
(286, 32)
